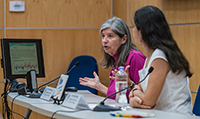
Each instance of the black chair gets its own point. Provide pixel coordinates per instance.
(196, 108)
(86, 68)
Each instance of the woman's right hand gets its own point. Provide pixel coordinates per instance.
(91, 82)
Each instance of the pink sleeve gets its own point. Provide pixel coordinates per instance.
(136, 64)
(111, 87)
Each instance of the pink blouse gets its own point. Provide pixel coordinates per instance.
(136, 61)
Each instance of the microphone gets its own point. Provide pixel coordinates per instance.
(75, 65)
(105, 108)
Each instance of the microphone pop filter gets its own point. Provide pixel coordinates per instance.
(77, 63)
(151, 69)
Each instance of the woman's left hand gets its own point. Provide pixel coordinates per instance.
(130, 82)
(137, 102)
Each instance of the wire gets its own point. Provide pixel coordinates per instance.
(67, 111)
(18, 114)
(11, 110)
(12, 105)
(5, 107)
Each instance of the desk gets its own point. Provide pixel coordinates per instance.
(47, 108)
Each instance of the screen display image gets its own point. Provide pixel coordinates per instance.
(20, 56)
(23, 57)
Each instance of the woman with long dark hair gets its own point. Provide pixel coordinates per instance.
(167, 87)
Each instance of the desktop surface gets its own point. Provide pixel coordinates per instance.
(47, 108)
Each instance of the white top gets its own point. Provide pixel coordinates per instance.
(175, 95)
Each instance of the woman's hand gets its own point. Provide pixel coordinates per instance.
(138, 87)
(137, 103)
(131, 93)
(94, 83)
(130, 82)
(91, 82)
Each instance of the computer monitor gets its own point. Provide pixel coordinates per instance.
(20, 56)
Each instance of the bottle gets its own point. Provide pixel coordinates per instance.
(121, 82)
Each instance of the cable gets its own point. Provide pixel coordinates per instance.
(67, 111)
(12, 105)
(5, 102)
(5, 88)
(18, 114)
(10, 111)
(5, 108)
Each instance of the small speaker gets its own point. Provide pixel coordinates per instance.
(31, 80)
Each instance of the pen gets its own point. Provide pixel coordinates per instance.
(127, 115)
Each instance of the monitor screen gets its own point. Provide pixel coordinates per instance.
(20, 56)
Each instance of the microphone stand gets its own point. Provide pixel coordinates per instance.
(76, 64)
(105, 108)
(48, 82)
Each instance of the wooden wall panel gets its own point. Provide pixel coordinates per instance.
(187, 37)
(1, 73)
(1, 91)
(193, 98)
(1, 13)
(1, 69)
(60, 13)
(1, 33)
(120, 9)
(61, 46)
(136, 4)
(182, 11)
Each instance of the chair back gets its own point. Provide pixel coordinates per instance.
(86, 68)
(196, 108)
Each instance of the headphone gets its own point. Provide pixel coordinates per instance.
(21, 89)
